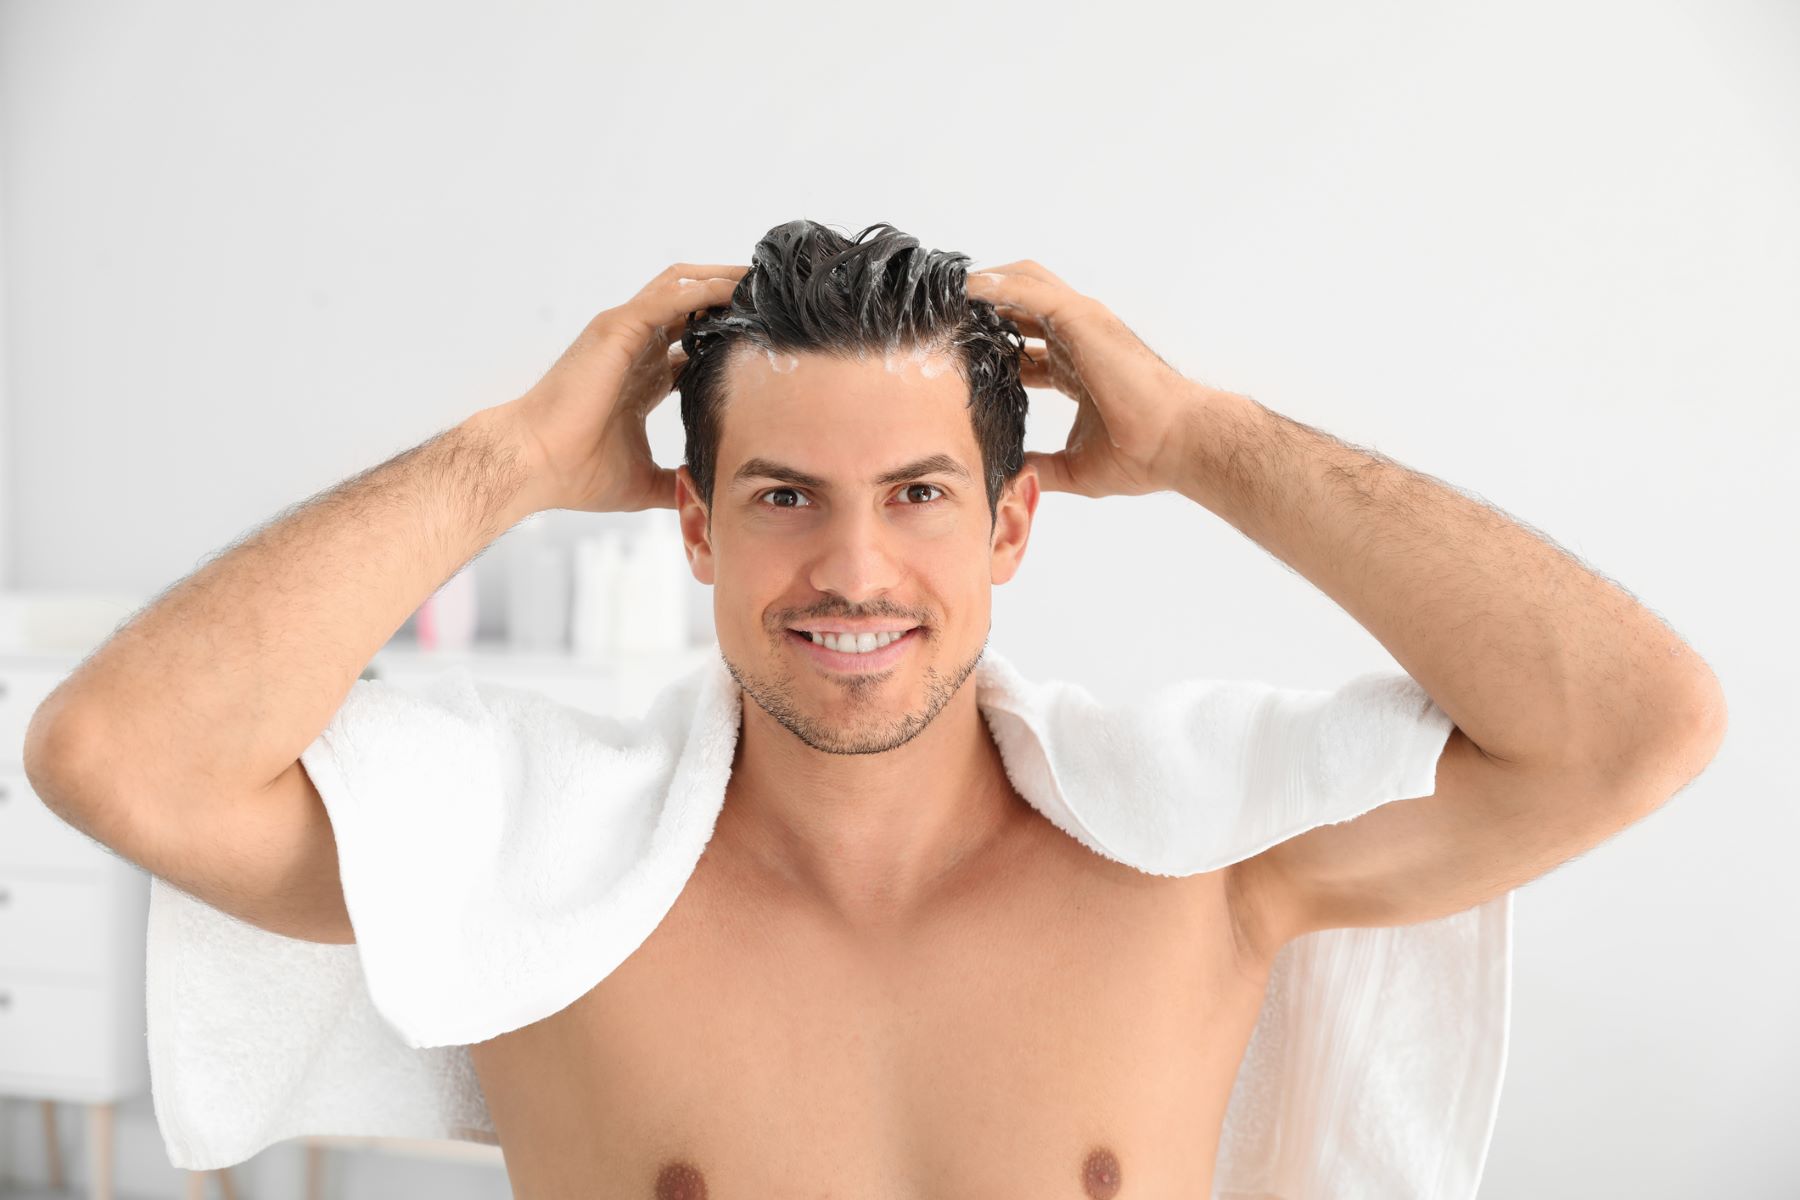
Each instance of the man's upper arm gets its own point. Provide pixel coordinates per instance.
(267, 856)
(1490, 827)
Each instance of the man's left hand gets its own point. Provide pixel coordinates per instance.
(1135, 414)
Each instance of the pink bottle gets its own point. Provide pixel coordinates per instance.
(447, 619)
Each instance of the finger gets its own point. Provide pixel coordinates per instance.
(730, 275)
(667, 307)
(677, 275)
(1028, 325)
(702, 270)
(1037, 298)
(1031, 267)
(663, 491)
(1052, 470)
(1034, 368)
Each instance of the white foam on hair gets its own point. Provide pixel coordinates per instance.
(929, 363)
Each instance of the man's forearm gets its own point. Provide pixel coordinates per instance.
(227, 676)
(1533, 656)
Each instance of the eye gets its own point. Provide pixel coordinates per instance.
(934, 487)
(776, 491)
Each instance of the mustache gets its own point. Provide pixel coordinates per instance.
(870, 614)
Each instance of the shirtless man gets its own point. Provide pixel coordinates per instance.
(889, 976)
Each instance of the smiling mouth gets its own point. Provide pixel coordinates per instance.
(853, 660)
(890, 635)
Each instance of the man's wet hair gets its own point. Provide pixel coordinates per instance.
(812, 290)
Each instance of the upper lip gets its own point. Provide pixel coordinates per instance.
(854, 626)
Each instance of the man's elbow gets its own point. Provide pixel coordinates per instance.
(1674, 752)
(1709, 721)
(57, 755)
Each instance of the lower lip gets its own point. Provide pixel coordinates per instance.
(874, 660)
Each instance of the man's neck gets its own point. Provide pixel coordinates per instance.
(872, 838)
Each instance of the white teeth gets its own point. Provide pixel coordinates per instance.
(854, 643)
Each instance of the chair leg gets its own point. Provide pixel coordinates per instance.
(315, 1171)
(52, 1146)
(100, 1151)
(196, 1184)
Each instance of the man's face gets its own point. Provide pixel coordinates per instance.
(807, 532)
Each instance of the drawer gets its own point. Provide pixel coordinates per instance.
(64, 926)
(33, 836)
(57, 1030)
(22, 689)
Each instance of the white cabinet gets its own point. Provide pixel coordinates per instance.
(71, 931)
(72, 919)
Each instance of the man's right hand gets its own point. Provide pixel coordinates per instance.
(582, 424)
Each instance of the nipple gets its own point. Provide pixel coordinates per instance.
(1100, 1174)
(680, 1181)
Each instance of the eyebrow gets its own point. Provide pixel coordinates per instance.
(931, 464)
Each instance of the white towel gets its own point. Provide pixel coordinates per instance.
(502, 852)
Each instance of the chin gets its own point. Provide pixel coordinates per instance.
(849, 711)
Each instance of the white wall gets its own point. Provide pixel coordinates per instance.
(1546, 252)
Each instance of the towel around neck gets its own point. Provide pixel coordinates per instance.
(502, 852)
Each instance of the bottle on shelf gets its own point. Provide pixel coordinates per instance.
(594, 621)
(652, 600)
(446, 620)
(537, 590)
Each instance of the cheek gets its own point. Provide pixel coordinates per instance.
(944, 563)
(958, 582)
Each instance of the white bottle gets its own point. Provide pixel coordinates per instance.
(594, 621)
(537, 591)
(652, 605)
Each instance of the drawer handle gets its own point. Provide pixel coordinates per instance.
(5, 895)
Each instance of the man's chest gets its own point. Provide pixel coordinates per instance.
(1075, 1033)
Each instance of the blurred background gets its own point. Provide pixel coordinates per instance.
(1545, 252)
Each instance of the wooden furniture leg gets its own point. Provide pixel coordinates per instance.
(196, 1184)
(100, 1151)
(52, 1146)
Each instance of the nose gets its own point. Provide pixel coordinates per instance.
(856, 557)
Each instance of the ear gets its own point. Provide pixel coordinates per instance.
(1012, 522)
(694, 520)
